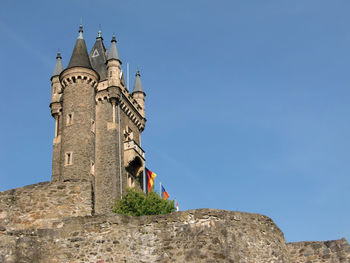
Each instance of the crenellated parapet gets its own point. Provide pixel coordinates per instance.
(79, 75)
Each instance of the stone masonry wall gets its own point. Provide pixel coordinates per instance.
(39, 205)
(107, 187)
(335, 251)
(192, 236)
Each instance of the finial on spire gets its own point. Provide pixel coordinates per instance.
(138, 73)
(113, 38)
(80, 32)
(99, 33)
(58, 55)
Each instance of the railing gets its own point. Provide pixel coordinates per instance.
(133, 145)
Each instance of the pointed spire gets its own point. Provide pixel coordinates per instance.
(113, 51)
(58, 67)
(138, 85)
(80, 57)
(98, 57)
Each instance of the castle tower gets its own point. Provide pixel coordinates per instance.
(98, 123)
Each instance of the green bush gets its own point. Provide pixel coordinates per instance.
(137, 203)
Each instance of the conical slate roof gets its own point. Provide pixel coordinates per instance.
(138, 85)
(58, 67)
(113, 51)
(80, 57)
(98, 57)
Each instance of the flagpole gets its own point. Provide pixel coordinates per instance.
(144, 179)
(160, 189)
(176, 205)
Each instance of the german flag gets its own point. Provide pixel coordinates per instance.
(150, 180)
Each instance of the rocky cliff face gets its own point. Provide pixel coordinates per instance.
(54, 222)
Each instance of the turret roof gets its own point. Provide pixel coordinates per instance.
(58, 67)
(113, 51)
(138, 85)
(80, 57)
(98, 57)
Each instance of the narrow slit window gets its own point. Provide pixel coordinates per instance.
(92, 168)
(93, 126)
(69, 158)
(69, 118)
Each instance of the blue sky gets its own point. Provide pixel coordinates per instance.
(247, 101)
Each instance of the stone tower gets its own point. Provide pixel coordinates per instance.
(98, 123)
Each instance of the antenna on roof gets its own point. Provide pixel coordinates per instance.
(127, 76)
(99, 34)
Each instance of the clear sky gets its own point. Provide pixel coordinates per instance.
(247, 101)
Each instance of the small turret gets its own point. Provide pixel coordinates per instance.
(56, 88)
(56, 112)
(113, 64)
(138, 93)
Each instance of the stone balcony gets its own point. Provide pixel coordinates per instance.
(131, 151)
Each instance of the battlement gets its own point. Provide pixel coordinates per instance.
(79, 75)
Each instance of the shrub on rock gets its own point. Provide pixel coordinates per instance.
(137, 203)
